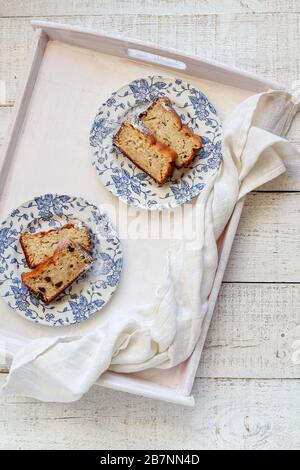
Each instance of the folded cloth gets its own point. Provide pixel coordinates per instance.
(165, 332)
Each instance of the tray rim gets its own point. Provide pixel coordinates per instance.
(50, 27)
(46, 31)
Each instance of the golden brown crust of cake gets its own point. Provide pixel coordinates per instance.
(197, 142)
(31, 256)
(65, 248)
(167, 154)
(21, 238)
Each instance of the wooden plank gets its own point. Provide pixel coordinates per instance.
(233, 39)
(12, 8)
(267, 243)
(230, 414)
(253, 333)
(289, 181)
(5, 114)
(14, 54)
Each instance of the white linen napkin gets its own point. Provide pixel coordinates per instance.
(164, 333)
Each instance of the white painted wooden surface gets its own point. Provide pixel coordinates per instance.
(248, 390)
(235, 414)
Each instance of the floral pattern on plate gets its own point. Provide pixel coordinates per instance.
(124, 179)
(90, 292)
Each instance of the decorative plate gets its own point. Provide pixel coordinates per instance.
(127, 181)
(85, 296)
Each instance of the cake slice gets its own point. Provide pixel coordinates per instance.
(163, 121)
(50, 278)
(37, 247)
(142, 148)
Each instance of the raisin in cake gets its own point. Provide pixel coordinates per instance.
(58, 272)
(142, 148)
(163, 121)
(37, 247)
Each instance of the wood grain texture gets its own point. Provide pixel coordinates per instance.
(13, 8)
(230, 414)
(253, 332)
(290, 180)
(5, 115)
(267, 243)
(257, 318)
(233, 39)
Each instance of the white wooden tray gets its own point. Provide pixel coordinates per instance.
(72, 72)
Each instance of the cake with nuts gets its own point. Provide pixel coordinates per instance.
(163, 121)
(145, 151)
(39, 246)
(51, 277)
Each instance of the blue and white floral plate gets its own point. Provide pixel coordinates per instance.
(127, 181)
(85, 296)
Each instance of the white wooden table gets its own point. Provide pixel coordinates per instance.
(248, 388)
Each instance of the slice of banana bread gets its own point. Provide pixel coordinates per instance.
(54, 275)
(37, 247)
(163, 121)
(142, 148)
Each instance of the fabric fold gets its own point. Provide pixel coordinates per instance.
(165, 332)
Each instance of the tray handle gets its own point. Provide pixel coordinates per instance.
(139, 54)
